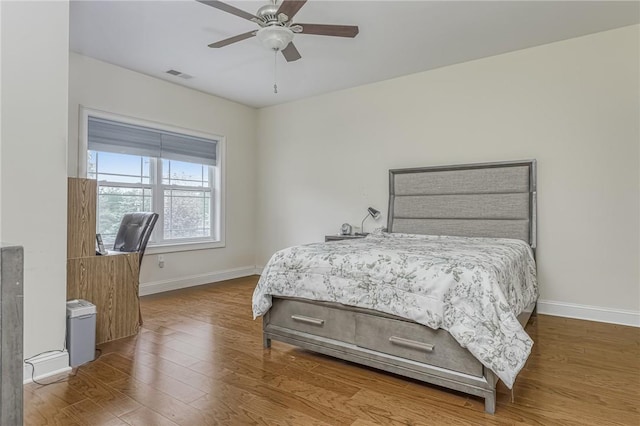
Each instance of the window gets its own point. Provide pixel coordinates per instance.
(141, 168)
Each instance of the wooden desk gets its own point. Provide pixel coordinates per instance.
(109, 282)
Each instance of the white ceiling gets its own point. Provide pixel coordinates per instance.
(396, 38)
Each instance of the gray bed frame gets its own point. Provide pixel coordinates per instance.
(475, 200)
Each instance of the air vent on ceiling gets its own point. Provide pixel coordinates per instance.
(179, 74)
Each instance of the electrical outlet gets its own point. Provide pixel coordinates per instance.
(161, 261)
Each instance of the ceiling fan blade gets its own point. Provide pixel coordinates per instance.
(234, 39)
(290, 7)
(229, 9)
(290, 53)
(330, 30)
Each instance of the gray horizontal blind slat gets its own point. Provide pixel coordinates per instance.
(464, 206)
(188, 148)
(517, 229)
(471, 181)
(111, 136)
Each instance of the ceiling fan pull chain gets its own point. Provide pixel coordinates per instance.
(275, 69)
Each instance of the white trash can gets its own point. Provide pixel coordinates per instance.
(81, 331)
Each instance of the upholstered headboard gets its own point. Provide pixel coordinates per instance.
(471, 200)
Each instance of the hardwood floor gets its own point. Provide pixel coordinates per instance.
(198, 360)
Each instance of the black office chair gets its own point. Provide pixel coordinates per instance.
(133, 236)
(135, 230)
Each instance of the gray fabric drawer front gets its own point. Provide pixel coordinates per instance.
(469, 206)
(314, 319)
(440, 349)
(474, 181)
(518, 229)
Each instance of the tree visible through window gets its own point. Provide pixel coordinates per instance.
(187, 200)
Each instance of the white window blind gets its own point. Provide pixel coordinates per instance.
(110, 136)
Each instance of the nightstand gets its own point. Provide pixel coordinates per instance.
(337, 237)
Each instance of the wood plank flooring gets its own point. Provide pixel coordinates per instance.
(198, 360)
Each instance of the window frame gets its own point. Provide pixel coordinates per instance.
(216, 174)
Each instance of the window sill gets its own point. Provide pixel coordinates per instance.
(185, 246)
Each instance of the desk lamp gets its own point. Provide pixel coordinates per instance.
(370, 212)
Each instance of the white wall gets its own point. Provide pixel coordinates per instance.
(98, 85)
(572, 105)
(33, 157)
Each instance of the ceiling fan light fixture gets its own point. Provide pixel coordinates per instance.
(275, 37)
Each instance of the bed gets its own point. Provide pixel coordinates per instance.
(481, 217)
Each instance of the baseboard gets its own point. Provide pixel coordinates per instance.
(587, 312)
(194, 280)
(258, 270)
(45, 366)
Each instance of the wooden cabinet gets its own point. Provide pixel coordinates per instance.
(109, 282)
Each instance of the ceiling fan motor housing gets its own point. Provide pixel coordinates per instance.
(268, 13)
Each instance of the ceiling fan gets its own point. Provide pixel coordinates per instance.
(277, 28)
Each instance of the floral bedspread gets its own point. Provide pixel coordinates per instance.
(472, 287)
